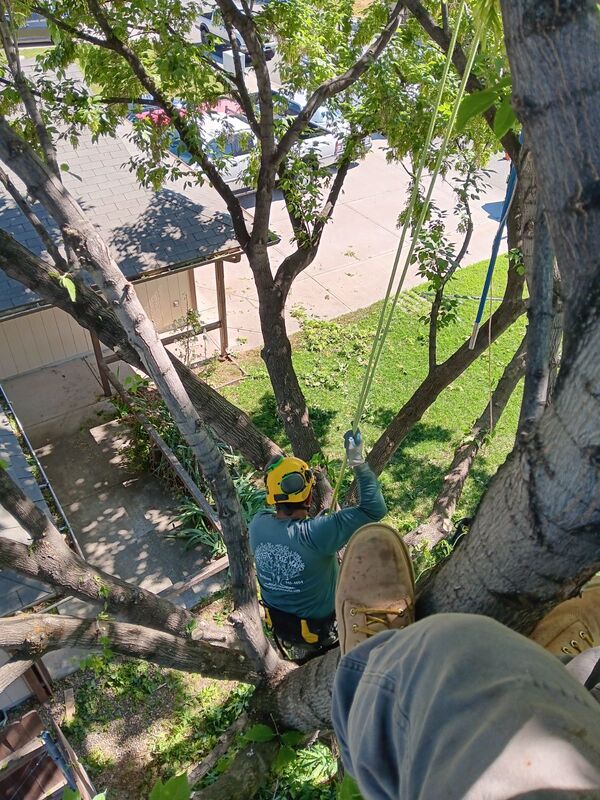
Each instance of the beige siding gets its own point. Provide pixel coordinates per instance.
(39, 339)
(51, 336)
(166, 299)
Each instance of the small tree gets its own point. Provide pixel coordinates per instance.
(142, 49)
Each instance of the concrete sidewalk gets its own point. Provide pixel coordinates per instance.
(354, 263)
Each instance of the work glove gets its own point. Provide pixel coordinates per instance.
(354, 448)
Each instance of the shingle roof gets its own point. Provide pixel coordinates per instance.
(146, 230)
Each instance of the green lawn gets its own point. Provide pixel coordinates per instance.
(332, 377)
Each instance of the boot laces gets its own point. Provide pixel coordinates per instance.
(585, 636)
(376, 619)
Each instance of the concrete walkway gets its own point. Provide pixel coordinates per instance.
(120, 519)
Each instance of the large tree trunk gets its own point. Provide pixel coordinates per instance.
(229, 423)
(93, 252)
(277, 355)
(536, 537)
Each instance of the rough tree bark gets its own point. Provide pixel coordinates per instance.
(536, 536)
(93, 252)
(229, 423)
(28, 637)
(439, 523)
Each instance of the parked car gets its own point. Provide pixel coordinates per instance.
(34, 31)
(324, 117)
(210, 22)
(230, 138)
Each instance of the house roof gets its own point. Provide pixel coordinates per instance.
(147, 231)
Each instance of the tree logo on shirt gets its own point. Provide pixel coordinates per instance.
(277, 566)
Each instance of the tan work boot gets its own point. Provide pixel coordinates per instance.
(573, 626)
(375, 587)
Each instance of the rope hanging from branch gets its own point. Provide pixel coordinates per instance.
(386, 316)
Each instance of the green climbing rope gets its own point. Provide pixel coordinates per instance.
(385, 318)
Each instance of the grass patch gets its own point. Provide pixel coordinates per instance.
(34, 52)
(329, 357)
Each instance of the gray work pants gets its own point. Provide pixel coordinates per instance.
(458, 706)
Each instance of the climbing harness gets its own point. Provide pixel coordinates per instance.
(385, 317)
(297, 638)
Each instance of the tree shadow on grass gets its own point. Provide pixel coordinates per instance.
(266, 418)
(412, 480)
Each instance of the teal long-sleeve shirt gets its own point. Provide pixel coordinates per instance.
(296, 560)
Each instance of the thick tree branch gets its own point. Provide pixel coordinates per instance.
(95, 255)
(229, 423)
(339, 83)
(30, 636)
(76, 33)
(243, 21)
(34, 221)
(439, 523)
(510, 309)
(239, 79)
(297, 262)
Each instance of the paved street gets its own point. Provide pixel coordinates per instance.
(354, 262)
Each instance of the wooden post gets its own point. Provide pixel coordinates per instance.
(102, 368)
(222, 307)
(193, 304)
(39, 681)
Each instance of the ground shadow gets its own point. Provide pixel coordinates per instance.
(412, 478)
(267, 420)
(493, 210)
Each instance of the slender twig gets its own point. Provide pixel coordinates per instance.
(11, 49)
(35, 221)
(339, 83)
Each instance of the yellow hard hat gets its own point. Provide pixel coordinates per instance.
(288, 480)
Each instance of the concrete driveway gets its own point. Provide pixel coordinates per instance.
(353, 266)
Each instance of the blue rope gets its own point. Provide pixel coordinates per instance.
(510, 191)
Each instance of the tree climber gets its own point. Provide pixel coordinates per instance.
(296, 555)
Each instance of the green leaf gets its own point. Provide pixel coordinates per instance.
(473, 104)
(284, 758)
(348, 790)
(176, 788)
(505, 118)
(3, 463)
(64, 167)
(68, 284)
(260, 733)
(292, 738)
(69, 794)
